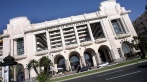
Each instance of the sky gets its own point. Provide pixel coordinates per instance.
(45, 10)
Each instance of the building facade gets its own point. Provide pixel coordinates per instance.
(140, 24)
(92, 38)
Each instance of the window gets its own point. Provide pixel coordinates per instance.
(118, 27)
(20, 46)
(97, 30)
(41, 42)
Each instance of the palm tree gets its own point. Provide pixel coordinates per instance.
(141, 44)
(33, 64)
(45, 62)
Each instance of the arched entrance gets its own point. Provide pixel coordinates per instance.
(105, 54)
(60, 61)
(74, 60)
(88, 59)
(126, 49)
(20, 76)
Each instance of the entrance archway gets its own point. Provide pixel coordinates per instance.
(126, 49)
(74, 60)
(88, 59)
(20, 76)
(105, 54)
(60, 61)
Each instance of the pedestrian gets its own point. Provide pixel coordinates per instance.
(78, 68)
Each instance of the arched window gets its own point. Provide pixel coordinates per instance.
(125, 48)
(74, 59)
(86, 56)
(61, 61)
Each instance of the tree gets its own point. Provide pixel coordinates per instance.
(33, 64)
(141, 43)
(45, 62)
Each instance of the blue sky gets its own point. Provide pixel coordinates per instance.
(45, 10)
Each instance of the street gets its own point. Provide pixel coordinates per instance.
(133, 73)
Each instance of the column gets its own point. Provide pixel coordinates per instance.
(90, 32)
(15, 48)
(112, 56)
(77, 37)
(62, 38)
(67, 64)
(48, 40)
(98, 58)
(25, 44)
(83, 61)
(122, 53)
(11, 48)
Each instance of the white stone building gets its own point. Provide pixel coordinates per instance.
(94, 38)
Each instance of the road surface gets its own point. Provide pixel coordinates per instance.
(133, 73)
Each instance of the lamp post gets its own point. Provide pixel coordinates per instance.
(8, 61)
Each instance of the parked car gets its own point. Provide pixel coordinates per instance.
(103, 65)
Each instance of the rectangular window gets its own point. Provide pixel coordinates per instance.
(41, 42)
(118, 27)
(97, 30)
(20, 46)
(83, 33)
(55, 38)
(69, 36)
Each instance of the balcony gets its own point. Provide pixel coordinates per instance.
(71, 46)
(82, 28)
(86, 43)
(43, 52)
(122, 36)
(56, 49)
(54, 33)
(56, 37)
(20, 57)
(80, 32)
(100, 40)
(71, 30)
(71, 34)
(55, 41)
(70, 38)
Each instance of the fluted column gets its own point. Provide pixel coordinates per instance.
(62, 38)
(98, 58)
(48, 40)
(83, 61)
(90, 32)
(122, 53)
(77, 37)
(67, 63)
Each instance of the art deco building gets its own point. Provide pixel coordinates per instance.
(93, 38)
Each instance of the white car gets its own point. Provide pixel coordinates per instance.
(103, 65)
